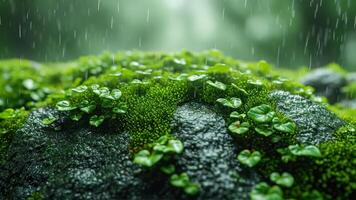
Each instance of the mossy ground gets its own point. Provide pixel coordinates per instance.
(153, 85)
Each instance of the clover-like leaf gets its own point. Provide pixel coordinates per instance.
(300, 150)
(174, 146)
(193, 78)
(239, 89)
(231, 103)
(76, 116)
(262, 191)
(285, 179)
(217, 84)
(48, 120)
(286, 155)
(65, 106)
(288, 127)
(264, 130)
(116, 94)
(7, 114)
(239, 128)
(96, 120)
(168, 169)
(179, 181)
(80, 89)
(142, 158)
(29, 84)
(237, 115)
(249, 158)
(88, 109)
(192, 189)
(119, 110)
(261, 114)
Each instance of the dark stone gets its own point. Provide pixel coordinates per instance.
(74, 161)
(326, 82)
(209, 157)
(315, 123)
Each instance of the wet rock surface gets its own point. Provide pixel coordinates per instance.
(79, 162)
(209, 157)
(315, 123)
(326, 82)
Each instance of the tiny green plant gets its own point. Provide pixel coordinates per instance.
(301, 150)
(217, 84)
(233, 102)
(261, 114)
(49, 120)
(182, 181)
(262, 191)
(249, 158)
(285, 179)
(238, 128)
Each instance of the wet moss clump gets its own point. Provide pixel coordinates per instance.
(300, 146)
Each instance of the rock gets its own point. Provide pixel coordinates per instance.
(74, 161)
(326, 82)
(209, 157)
(315, 123)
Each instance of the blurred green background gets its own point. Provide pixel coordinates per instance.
(287, 33)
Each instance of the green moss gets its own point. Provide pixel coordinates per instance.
(153, 85)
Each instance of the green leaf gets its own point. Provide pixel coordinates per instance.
(88, 109)
(65, 106)
(248, 158)
(255, 82)
(7, 114)
(192, 189)
(238, 128)
(239, 89)
(116, 94)
(232, 102)
(76, 116)
(142, 158)
(162, 140)
(29, 84)
(168, 169)
(237, 115)
(48, 120)
(288, 127)
(286, 155)
(174, 146)
(193, 78)
(119, 110)
(179, 181)
(261, 114)
(145, 159)
(96, 120)
(262, 191)
(286, 179)
(314, 194)
(264, 130)
(309, 150)
(217, 84)
(80, 89)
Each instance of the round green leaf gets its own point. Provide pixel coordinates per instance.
(174, 146)
(168, 169)
(263, 191)
(80, 89)
(238, 128)
(237, 115)
(193, 78)
(217, 84)
(288, 127)
(116, 94)
(29, 84)
(49, 120)
(248, 158)
(286, 179)
(65, 106)
(180, 181)
(192, 189)
(261, 114)
(88, 109)
(96, 120)
(264, 130)
(309, 150)
(232, 102)
(142, 158)
(7, 114)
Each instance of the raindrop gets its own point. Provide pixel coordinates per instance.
(112, 22)
(99, 1)
(245, 3)
(20, 31)
(118, 6)
(223, 14)
(148, 16)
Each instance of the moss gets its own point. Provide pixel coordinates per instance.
(8, 128)
(153, 85)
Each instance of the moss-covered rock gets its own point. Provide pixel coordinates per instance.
(123, 126)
